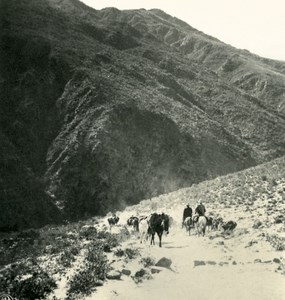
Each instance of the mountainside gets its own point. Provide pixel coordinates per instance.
(100, 109)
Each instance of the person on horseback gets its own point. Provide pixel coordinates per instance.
(186, 213)
(200, 210)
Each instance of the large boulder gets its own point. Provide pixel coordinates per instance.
(164, 262)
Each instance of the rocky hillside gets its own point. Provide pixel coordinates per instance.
(250, 189)
(100, 109)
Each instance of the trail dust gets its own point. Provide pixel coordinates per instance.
(241, 265)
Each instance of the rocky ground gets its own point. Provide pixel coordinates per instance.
(87, 260)
(248, 263)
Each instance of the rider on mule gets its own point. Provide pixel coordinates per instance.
(199, 211)
(186, 213)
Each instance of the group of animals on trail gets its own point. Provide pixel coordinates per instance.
(202, 222)
(158, 224)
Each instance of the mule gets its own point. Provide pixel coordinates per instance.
(210, 223)
(144, 225)
(113, 220)
(229, 226)
(158, 223)
(188, 223)
(201, 226)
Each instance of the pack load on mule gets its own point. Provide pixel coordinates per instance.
(133, 221)
(229, 226)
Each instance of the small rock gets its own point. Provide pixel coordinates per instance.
(164, 262)
(107, 248)
(256, 224)
(279, 219)
(221, 243)
(234, 263)
(114, 275)
(126, 272)
(212, 263)
(154, 271)
(140, 273)
(267, 261)
(223, 263)
(257, 260)
(277, 260)
(250, 243)
(199, 263)
(99, 282)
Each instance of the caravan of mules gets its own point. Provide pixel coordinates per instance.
(158, 224)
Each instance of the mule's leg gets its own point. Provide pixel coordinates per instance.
(159, 236)
(152, 239)
(204, 231)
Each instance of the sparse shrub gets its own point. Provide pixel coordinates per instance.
(147, 261)
(141, 275)
(119, 252)
(102, 234)
(278, 243)
(88, 233)
(68, 257)
(264, 177)
(36, 287)
(95, 270)
(274, 182)
(29, 234)
(131, 253)
(112, 240)
(82, 282)
(106, 247)
(36, 284)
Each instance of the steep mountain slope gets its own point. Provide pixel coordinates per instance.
(108, 107)
(245, 189)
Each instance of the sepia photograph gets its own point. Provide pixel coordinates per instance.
(142, 150)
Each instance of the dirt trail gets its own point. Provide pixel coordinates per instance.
(241, 266)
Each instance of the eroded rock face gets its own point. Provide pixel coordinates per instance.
(135, 154)
(121, 107)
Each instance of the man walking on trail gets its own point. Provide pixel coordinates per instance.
(186, 213)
